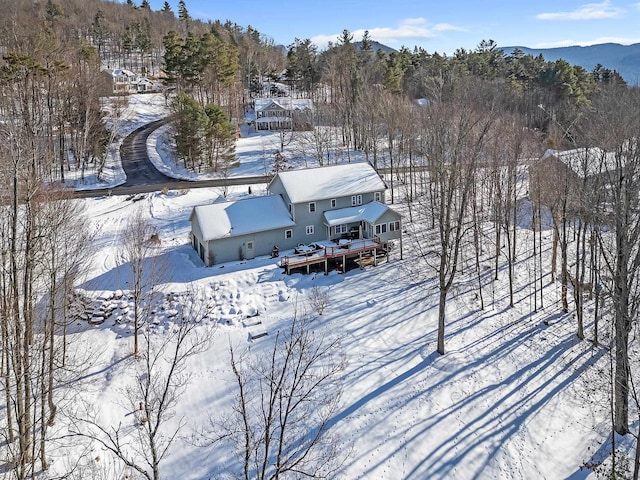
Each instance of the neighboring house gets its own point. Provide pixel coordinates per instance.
(571, 175)
(326, 204)
(122, 81)
(144, 85)
(283, 113)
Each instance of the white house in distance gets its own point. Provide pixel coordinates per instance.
(121, 82)
(340, 206)
(283, 113)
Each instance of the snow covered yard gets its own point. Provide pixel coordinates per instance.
(514, 397)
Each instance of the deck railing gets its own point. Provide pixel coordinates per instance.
(352, 247)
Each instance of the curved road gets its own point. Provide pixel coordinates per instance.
(144, 177)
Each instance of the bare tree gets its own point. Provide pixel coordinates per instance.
(145, 270)
(507, 152)
(457, 136)
(284, 403)
(318, 299)
(159, 381)
(615, 114)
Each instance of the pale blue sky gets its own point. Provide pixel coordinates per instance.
(441, 26)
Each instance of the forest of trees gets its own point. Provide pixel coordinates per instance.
(455, 159)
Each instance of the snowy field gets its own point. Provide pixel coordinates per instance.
(516, 395)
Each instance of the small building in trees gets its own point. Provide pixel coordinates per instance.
(283, 113)
(146, 85)
(573, 175)
(342, 206)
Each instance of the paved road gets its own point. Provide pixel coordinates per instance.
(135, 161)
(144, 177)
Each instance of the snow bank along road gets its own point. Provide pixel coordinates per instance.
(142, 175)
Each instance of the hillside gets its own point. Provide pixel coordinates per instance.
(375, 46)
(625, 59)
(516, 396)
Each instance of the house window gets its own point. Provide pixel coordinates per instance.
(288, 234)
(377, 196)
(394, 226)
(381, 228)
(333, 203)
(249, 245)
(312, 207)
(309, 229)
(290, 208)
(356, 200)
(340, 229)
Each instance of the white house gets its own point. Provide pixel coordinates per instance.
(283, 113)
(123, 81)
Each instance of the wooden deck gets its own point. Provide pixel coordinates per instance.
(354, 248)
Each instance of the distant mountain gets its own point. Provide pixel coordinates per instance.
(375, 46)
(625, 59)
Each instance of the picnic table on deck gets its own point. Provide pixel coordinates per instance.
(305, 249)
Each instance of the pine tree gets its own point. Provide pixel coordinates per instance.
(188, 130)
(183, 13)
(220, 136)
(54, 10)
(166, 8)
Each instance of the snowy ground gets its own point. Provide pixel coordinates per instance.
(516, 396)
(254, 150)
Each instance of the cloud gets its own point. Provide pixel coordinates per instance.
(589, 11)
(409, 28)
(586, 43)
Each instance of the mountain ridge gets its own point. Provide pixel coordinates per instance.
(625, 59)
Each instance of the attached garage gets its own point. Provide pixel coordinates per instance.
(239, 230)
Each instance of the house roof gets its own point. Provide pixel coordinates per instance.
(310, 184)
(584, 161)
(369, 212)
(121, 71)
(285, 103)
(241, 217)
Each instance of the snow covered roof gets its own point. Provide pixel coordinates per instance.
(584, 161)
(370, 212)
(286, 103)
(230, 219)
(121, 71)
(309, 184)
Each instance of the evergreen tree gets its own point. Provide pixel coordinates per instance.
(189, 130)
(393, 75)
(53, 10)
(173, 45)
(166, 8)
(183, 13)
(220, 136)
